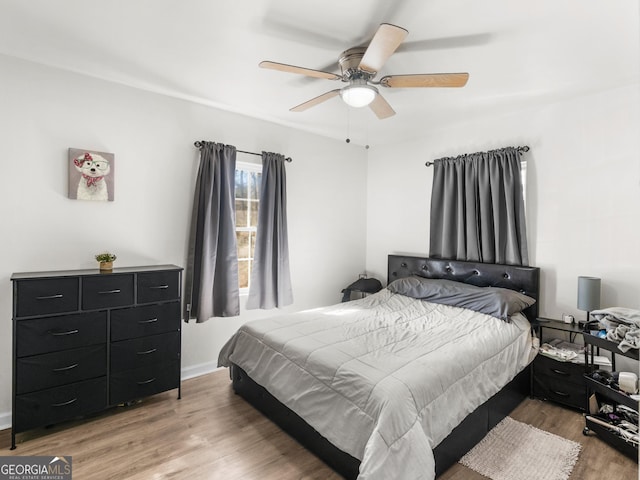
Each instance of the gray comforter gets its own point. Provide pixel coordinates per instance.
(385, 378)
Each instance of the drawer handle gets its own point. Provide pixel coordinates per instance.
(64, 404)
(159, 287)
(151, 320)
(560, 372)
(109, 292)
(560, 394)
(64, 369)
(62, 334)
(50, 297)
(147, 352)
(146, 382)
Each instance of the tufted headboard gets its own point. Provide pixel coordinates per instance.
(522, 279)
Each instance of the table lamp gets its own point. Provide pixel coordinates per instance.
(588, 294)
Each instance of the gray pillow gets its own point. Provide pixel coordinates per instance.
(494, 301)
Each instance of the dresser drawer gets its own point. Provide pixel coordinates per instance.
(143, 381)
(561, 370)
(154, 349)
(61, 403)
(158, 286)
(46, 296)
(107, 291)
(142, 321)
(51, 334)
(561, 391)
(60, 368)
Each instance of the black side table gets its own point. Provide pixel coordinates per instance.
(362, 285)
(572, 328)
(555, 380)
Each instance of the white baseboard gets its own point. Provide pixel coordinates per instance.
(5, 420)
(186, 373)
(200, 369)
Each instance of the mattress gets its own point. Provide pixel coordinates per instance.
(385, 378)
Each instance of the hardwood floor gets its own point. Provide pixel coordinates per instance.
(597, 459)
(213, 434)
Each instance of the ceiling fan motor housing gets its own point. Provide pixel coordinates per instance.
(349, 61)
(358, 93)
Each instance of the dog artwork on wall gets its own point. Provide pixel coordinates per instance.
(91, 175)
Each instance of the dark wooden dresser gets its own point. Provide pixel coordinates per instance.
(85, 340)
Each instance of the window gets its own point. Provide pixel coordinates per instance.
(248, 180)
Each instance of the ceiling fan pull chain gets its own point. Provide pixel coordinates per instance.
(348, 140)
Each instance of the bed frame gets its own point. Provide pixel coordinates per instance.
(474, 427)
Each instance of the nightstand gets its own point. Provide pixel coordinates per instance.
(363, 286)
(555, 380)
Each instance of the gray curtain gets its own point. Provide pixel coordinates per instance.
(211, 278)
(270, 285)
(477, 208)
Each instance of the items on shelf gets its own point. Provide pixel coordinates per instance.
(612, 407)
(622, 326)
(621, 421)
(564, 351)
(625, 383)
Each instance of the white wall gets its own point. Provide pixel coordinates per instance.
(583, 198)
(44, 111)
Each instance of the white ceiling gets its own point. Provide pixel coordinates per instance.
(518, 54)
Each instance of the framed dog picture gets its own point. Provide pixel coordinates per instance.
(91, 175)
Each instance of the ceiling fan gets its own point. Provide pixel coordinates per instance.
(359, 67)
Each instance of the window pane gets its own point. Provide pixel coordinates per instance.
(247, 198)
(241, 213)
(243, 273)
(253, 244)
(254, 190)
(242, 179)
(242, 239)
(253, 222)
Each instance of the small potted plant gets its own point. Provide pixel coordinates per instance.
(106, 260)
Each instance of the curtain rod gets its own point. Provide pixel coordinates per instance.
(520, 150)
(200, 144)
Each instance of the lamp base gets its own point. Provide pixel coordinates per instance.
(583, 323)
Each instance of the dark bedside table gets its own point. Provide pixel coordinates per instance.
(551, 379)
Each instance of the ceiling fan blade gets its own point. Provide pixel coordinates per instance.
(425, 80)
(315, 101)
(386, 40)
(283, 67)
(381, 108)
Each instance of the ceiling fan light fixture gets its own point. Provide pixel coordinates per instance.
(358, 95)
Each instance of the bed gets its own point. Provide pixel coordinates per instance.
(399, 384)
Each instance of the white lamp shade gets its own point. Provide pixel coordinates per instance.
(358, 95)
(588, 293)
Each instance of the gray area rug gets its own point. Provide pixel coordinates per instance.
(513, 450)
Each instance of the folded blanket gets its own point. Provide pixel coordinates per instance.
(622, 325)
(631, 340)
(628, 316)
